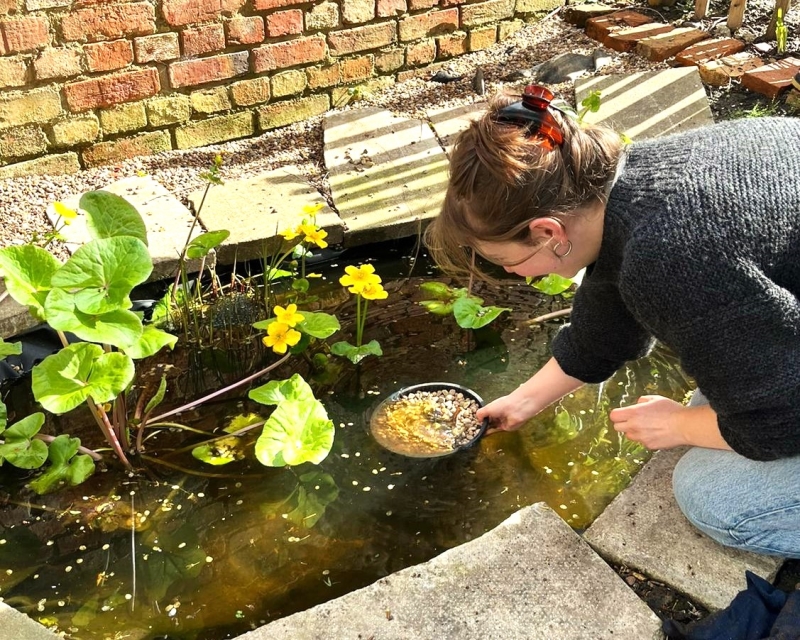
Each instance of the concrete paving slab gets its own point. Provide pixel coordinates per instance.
(15, 625)
(531, 577)
(648, 104)
(14, 318)
(166, 219)
(448, 122)
(388, 175)
(644, 529)
(256, 209)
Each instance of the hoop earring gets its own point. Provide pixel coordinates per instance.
(566, 253)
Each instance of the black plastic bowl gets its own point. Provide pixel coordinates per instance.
(429, 386)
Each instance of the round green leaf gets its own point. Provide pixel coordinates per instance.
(65, 379)
(318, 325)
(438, 290)
(220, 452)
(104, 272)
(9, 348)
(28, 272)
(24, 454)
(436, 307)
(553, 284)
(65, 466)
(471, 315)
(205, 242)
(118, 328)
(151, 342)
(108, 216)
(356, 354)
(26, 428)
(276, 391)
(298, 431)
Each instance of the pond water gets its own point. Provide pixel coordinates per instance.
(216, 552)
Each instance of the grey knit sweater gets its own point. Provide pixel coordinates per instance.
(701, 250)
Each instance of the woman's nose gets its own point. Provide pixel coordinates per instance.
(509, 269)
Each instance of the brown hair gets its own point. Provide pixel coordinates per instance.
(501, 179)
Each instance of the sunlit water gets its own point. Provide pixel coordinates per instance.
(174, 555)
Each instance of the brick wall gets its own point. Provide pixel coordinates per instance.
(90, 82)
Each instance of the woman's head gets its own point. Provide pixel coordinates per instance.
(502, 179)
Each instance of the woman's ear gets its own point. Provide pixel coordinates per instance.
(545, 229)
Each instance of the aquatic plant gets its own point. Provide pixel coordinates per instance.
(552, 285)
(467, 309)
(365, 284)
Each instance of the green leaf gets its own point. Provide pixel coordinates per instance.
(26, 428)
(263, 324)
(110, 216)
(438, 290)
(65, 466)
(9, 348)
(28, 273)
(298, 431)
(241, 421)
(151, 342)
(119, 328)
(277, 274)
(158, 397)
(276, 391)
(200, 246)
(24, 454)
(315, 492)
(300, 284)
(592, 102)
(174, 555)
(470, 314)
(437, 307)
(553, 284)
(220, 451)
(318, 325)
(3, 416)
(65, 379)
(104, 272)
(356, 354)
(302, 345)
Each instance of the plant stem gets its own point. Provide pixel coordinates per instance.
(549, 316)
(105, 426)
(363, 321)
(236, 433)
(193, 404)
(93, 454)
(358, 320)
(196, 473)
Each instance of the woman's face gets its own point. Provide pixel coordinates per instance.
(528, 261)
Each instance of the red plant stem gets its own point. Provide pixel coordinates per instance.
(81, 449)
(199, 401)
(108, 431)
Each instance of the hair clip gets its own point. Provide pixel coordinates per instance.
(533, 113)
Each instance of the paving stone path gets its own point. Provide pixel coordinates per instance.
(531, 577)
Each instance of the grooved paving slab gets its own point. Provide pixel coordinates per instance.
(448, 122)
(648, 104)
(531, 577)
(166, 219)
(17, 626)
(644, 528)
(256, 209)
(388, 175)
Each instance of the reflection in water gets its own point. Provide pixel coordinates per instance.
(194, 557)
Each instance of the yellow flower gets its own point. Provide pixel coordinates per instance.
(356, 277)
(373, 291)
(280, 337)
(312, 209)
(289, 315)
(290, 234)
(314, 234)
(67, 214)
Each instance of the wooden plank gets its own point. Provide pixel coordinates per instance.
(783, 5)
(736, 14)
(700, 9)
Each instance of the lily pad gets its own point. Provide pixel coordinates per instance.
(470, 314)
(356, 354)
(276, 391)
(298, 431)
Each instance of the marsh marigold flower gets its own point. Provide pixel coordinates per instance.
(314, 234)
(290, 234)
(280, 337)
(373, 291)
(289, 315)
(312, 209)
(356, 277)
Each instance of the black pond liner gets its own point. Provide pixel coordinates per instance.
(430, 387)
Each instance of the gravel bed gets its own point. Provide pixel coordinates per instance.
(23, 201)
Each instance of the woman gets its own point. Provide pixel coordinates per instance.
(691, 239)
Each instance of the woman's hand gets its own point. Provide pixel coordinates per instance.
(507, 413)
(655, 421)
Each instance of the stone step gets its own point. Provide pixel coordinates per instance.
(598, 28)
(626, 38)
(708, 50)
(579, 14)
(718, 73)
(388, 174)
(772, 78)
(660, 47)
(256, 210)
(448, 122)
(531, 577)
(17, 626)
(648, 104)
(644, 529)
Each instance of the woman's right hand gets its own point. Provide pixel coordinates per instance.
(507, 413)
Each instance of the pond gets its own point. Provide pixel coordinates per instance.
(187, 551)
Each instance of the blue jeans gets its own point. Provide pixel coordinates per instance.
(739, 502)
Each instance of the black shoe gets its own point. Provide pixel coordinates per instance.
(796, 81)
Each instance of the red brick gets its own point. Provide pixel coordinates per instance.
(179, 13)
(771, 79)
(111, 90)
(420, 53)
(659, 48)
(320, 77)
(598, 28)
(108, 56)
(246, 30)
(57, 63)
(413, 5)
(266, 5)
(144, 144)
(428, 24)
(288, 54)
(205, 39)
(284, 23)
(108, 22)
(391, 8)
(626, 38)
(710, 50)
(372, 36)
(25, 34)
(719, 73)
(13, 72)
(7, 6)
(190, 73)
(157, 48)
(452, 45)
(356, 69)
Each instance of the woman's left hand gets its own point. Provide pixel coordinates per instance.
(653, 421)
